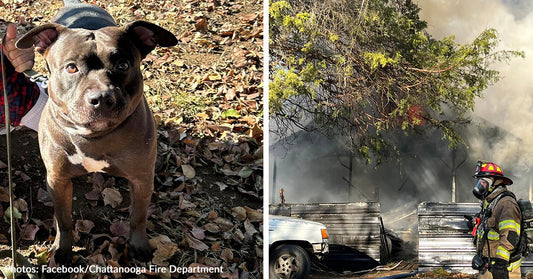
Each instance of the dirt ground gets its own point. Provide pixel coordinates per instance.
(378, 272)
(30, 186)
(206, 95)
(406, 269)
(401, 268)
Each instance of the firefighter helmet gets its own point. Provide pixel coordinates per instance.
(489, 169)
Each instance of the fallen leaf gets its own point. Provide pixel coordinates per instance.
(214, 76)
(231, 113)
(21, 205)
(22, 175)
(98, 181)
(231, 275)
(112, 197)
(251, 193)
(211, 227)
(201, 25)
(156, 241)
(119, 228)
(97, 259)
(249, 228)
(114, 252)
(84, 226)
(256, 132)
(102, 248)
(226, 33)
(224, 224)
(185, 204)
(212, 215)
(93, 195)
(254, 215)
(231, 94)
(195, 243)
(229, 158)
(42, 258)
(109, 182)
(198, 233)
(215, 246)
(188, 171)
(239, 57)
(221, 186)
(245, 172)
(164, 251)
(226, 255)
(226, 169)
(239, 212)
(238, 235)
(7, 214)
(4, 194)
(215, 146)
(115, 264)
(249, 17)
(28, 231)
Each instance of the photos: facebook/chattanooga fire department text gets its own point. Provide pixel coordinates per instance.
(113, 269)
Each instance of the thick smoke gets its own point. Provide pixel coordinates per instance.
(509, 104)
(502, 130)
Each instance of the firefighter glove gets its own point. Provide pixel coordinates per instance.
(470, 222)
(499, 269)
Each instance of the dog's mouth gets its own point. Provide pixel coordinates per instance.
(86, 120)
(97, 119)
(94, 125)
(99, 125)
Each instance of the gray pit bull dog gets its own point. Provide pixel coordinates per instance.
(97, 118)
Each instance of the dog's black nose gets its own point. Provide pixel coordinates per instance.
(101, 99)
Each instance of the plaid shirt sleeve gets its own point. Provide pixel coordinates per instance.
(22, 93)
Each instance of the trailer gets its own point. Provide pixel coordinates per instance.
(356, 227)
(444, 240)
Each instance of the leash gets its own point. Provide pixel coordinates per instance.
(8, 147)
(35, 76)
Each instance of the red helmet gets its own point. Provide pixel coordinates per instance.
(489, 169)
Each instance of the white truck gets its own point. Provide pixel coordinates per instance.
(293, 244)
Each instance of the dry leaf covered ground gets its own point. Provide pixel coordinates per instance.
(207, 95)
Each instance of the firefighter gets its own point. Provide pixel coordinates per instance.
(498, 226)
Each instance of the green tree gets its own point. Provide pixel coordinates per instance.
(368, 69)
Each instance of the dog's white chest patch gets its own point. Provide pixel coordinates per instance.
(90, 164)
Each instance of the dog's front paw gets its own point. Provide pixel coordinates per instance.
(61, 252)
(61, 257)
(139, 249)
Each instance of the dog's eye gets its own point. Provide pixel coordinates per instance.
(71, 68)
(123, 66)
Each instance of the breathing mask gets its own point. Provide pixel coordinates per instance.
(483, 188)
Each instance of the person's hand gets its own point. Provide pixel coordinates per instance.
(499, 269)
(21, 59)
(470, 223)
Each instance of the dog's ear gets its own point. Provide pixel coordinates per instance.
(147, 36)
(41, 37)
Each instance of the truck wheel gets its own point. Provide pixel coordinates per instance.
(289, 262)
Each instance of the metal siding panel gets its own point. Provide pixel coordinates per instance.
(281, 210)
(355, 225)
(444, 240)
